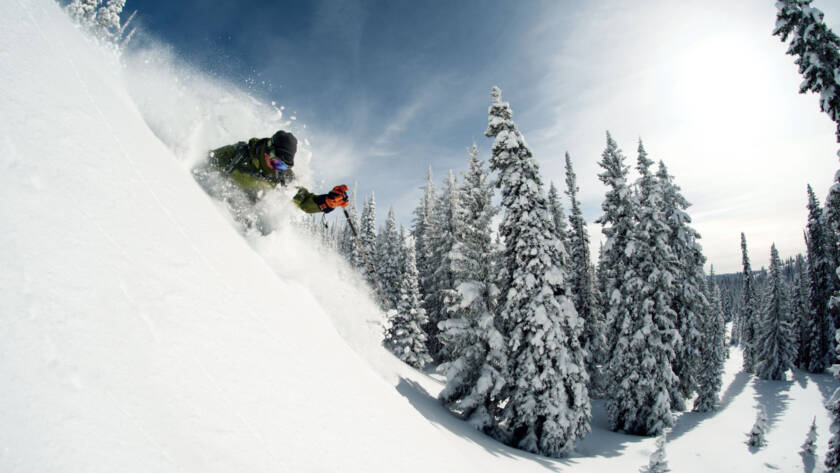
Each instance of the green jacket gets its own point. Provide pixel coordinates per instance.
(244, 163)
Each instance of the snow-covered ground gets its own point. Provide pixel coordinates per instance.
(140, 332)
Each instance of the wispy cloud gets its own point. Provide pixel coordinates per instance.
(716, 99)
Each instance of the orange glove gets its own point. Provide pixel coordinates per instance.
(338, 197)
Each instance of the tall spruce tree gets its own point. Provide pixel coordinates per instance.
(774, 346)
(389, 260)
(442, 282)
(404, 335)
(555, 207)
(367, 236)
(821, 274)
(712, 353)
(617, 222)
(584, 292)
(347, 245)
(689, 301)
(476, 376)
(548, 408)
(643, 380)
(800, 312)
(423, 231)
(749, 314)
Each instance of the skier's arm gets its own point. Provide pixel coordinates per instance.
(305, 200)
(312, 203)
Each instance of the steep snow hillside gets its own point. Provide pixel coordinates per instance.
(141, 332)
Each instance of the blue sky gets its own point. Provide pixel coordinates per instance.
(387, 88)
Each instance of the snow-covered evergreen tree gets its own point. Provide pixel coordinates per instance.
(749, 314)
(755, 438)
(689, 301)
(821, 274)
(404, 335)
(774, 346)
(800, 312)
(817, 52)
(423, 231)
(810, 445)
(558, 216)
(442, 282)
(658, 463)
(832, 457)
(712, 351)
(832, 224)
(347, 244)
(584, 291)
(388, 257)
(641, 374)
(476, 376)
(367, 236)
(548, 409)
(617, 222)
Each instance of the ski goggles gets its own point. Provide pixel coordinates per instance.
(274, 162)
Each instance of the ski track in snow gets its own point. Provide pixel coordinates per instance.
(140, 332)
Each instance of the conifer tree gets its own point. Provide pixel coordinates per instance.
(347, 245)
(423, 231)
(476, 376)
(800, 312)
(810, 445)
(832, 457)
(547, 409)
(774, 349)
(821, 274)
(749, 313)
(817, 51)
(367, 236)
(617, 222)
(755, 438)
(441, 282)
(558, 216)
(642, 378)
(658, 463)
(584, 292)
(404, 335)
(388, 258)
(689, 301)
(832, 227)
(602, 283)
(713, 346)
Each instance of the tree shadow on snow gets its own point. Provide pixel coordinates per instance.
(600, 442)
(735, 388)
(437, 414)
(603, 442)
(825, 382)
(773, 396)
(690, 420)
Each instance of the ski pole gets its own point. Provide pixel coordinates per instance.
(367, 261)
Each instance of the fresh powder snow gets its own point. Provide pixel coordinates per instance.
(141, 332)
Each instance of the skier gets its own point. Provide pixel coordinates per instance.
(260, 164)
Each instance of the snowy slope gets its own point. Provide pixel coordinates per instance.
(140, 332)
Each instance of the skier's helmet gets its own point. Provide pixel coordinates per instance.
(285, 146)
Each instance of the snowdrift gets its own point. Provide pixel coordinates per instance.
(140, 332)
